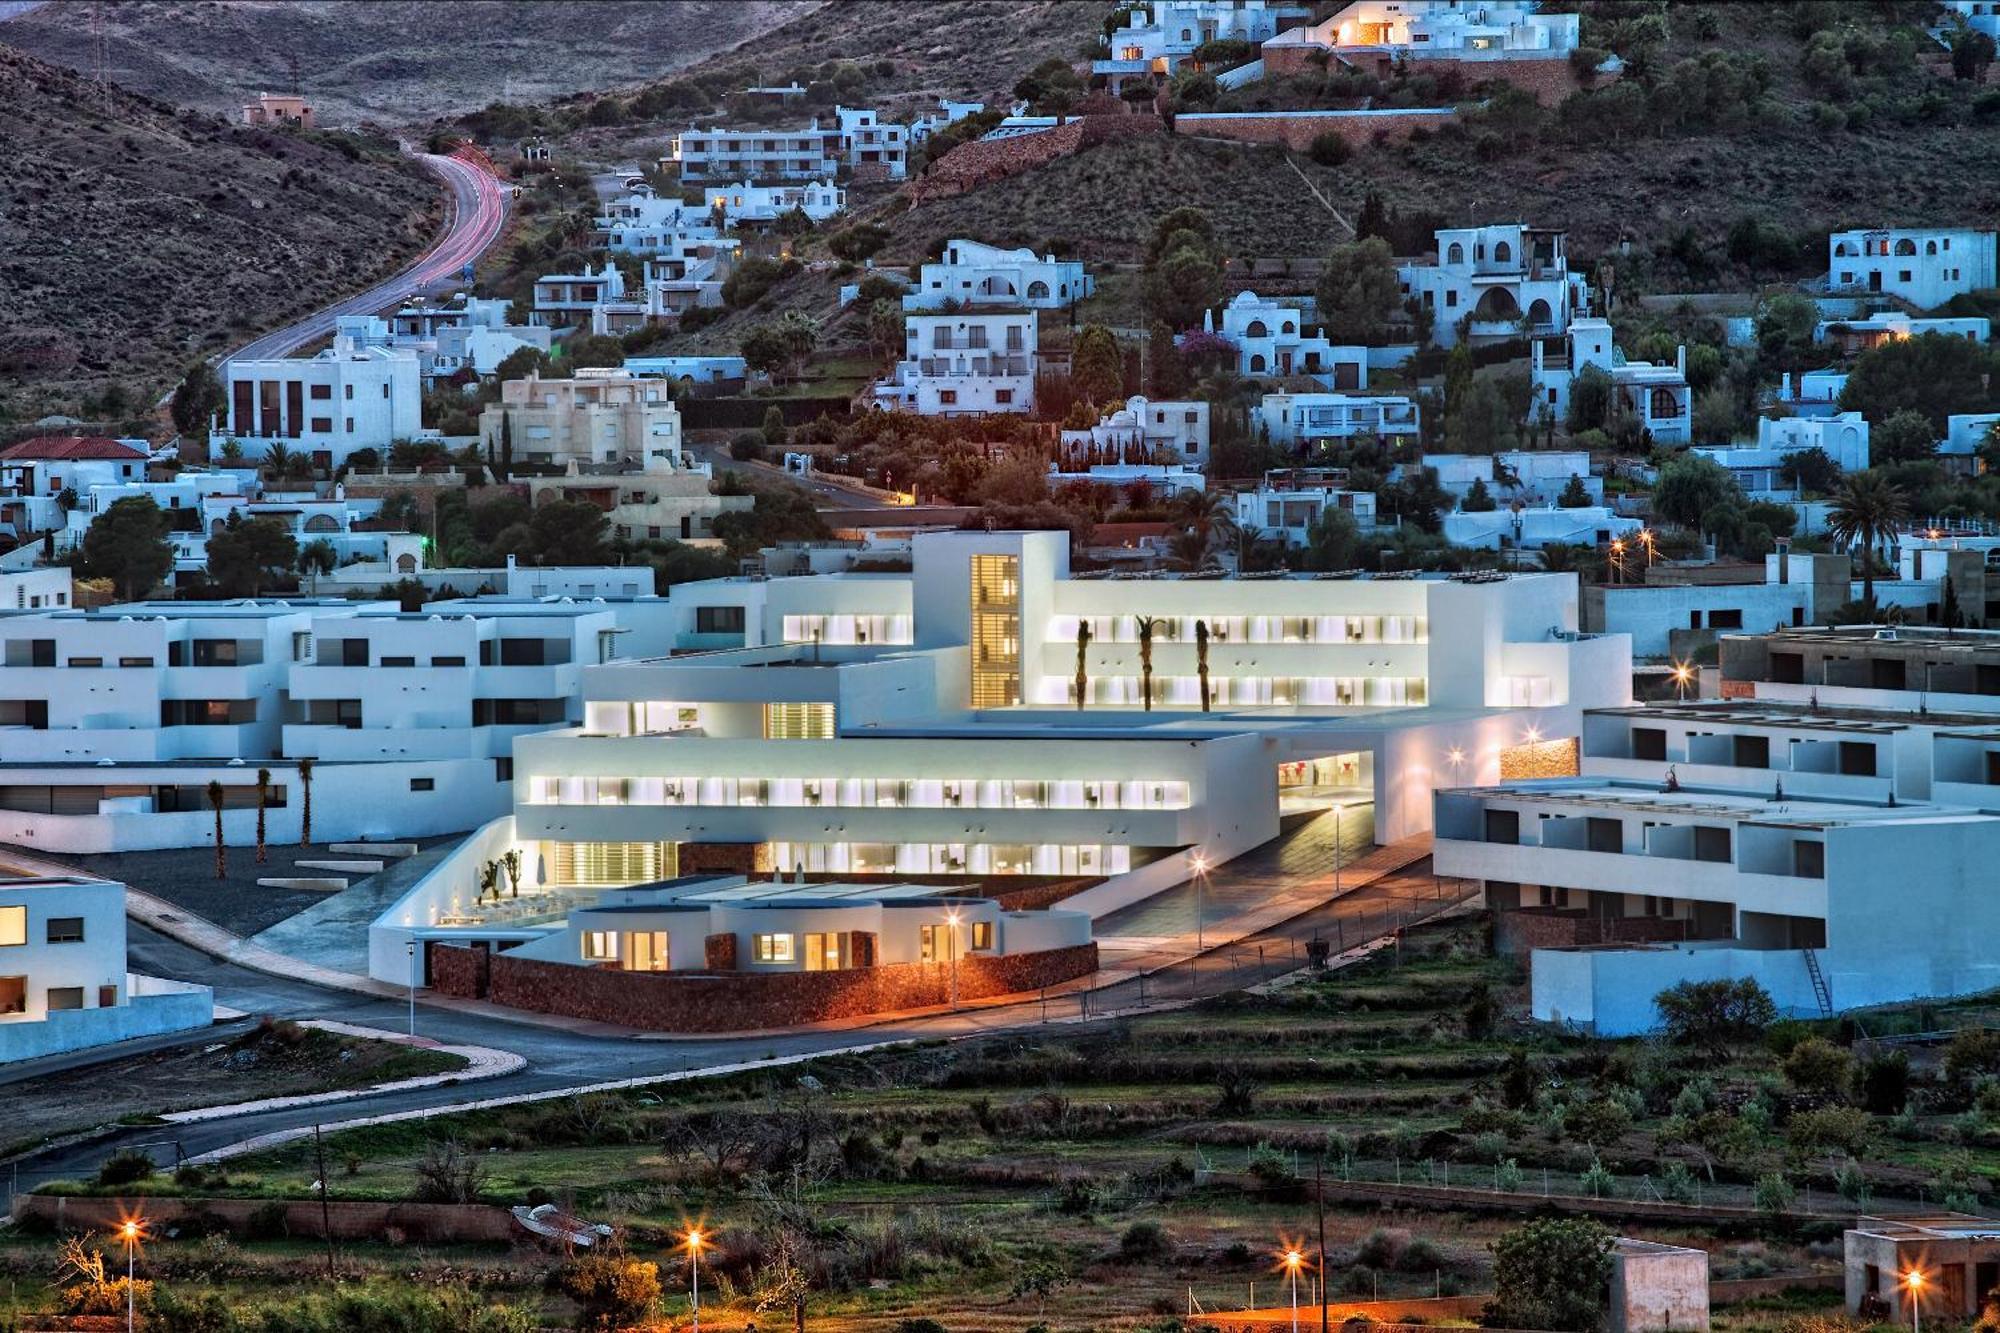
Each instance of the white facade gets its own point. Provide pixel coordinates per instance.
(63, 983)
(1657, 395)
(1143, 431)
(1442, 30)
(1272, 338)
(1286, 506)
(348, 397)
(645, 223)
(568, 298)
(1812, 393)
(599, 416)
(949, 113)
(724, 153)
(1858, 335)
(1924, 266)
(744, 202)
(1306, 418)
(871, 145)
(42, 588)
(975, 274)
(1531, 476)
(1159, 38)
(1760, 469)
(1501, 281)
(964, 364)
(1532, 529)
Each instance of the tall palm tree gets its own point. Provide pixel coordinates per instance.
(1201, 659)
(1190, 548)
(263, 799)
(1082, 662)
(1208, 512)
(1865, 514)
(1147, 624)
(215, 804)
(305, 802)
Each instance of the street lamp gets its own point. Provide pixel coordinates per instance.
(951, 950)
(1200, 866)
(1617, 561)
(1646, 539)
(1914, 1281)
(1293, 1262)
(130, 1232)
(1683, 673)
(695, 1240)
(412, 950)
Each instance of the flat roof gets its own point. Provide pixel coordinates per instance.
(1714, 803)
(1802, 717)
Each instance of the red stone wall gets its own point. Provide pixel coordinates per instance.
(718, 858)
(1298, 132)
(719, 952)
(452, 970)
(728, 1002)
(1521, 932)
(981, 162)
(351, 1220)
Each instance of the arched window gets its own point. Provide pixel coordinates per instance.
(322, 523)
(1665, 404)
(1288, 328)
(406, 564)
(1930, 247)
(1906, 246)
(1257, 330)
(1503, 253)
(1843, 250)
(1256, 362)
(1539, 315)
(1455, 255)
(1038, 291)
(217, 526)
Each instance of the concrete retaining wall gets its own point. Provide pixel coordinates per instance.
(152, 1007)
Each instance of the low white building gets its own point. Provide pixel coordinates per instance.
(1273, 337)
(691, 370)
(744, 202)
(1143, 431)
(1925, 266)
(41, 588)
(1499, 281)
(1285, 506)
(1164, 479)
(568, 298)
(1530, 476)
(964, 363)
(948, 113)
(871, 146)
(1674, 612)
(1811, 393)
(1159, 38)
(348, 397)
(1759, 469)
(38, 474)
(467, 332)
(1421, 30)
(1309, 418)
(975, 274)
(645, 223)
(1966, 433)
(600, 415)
(1858, 335)
(63, 979)
(1532, 529)
(1657, 395)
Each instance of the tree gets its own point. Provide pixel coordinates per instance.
(1690, 486)
(1905, 437)
(750, 281)
(263, 802)
(221, 854)
(794, 222)
(1971, 53)
(1785, 329)
(568, 532)
(1147, 626)
(1478, 500)
(1929, 374)
(317, 557)
(1334, 541)
(1097, 366)
(1184, 284)
(1590, 395)
(885, 327)
(1552, 1273)
(1082, 661)
(305, 801)
(1818, 1068)
(1812, 471)
(1865, 514)
(1166, 373)
(774, 427)
(247, 557)
(1358, 292)
(197, 398)
(1575, 495)
(1480, 420)
(1714, 1015)
(1201, 659)
(610, 1290)
(128, 545)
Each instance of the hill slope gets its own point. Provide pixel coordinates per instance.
(134, 238)
(391, 60)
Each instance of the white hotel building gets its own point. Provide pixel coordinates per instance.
(926, 725)
(351, 396)
(1924, 266)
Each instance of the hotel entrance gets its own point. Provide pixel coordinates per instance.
(1345, 780)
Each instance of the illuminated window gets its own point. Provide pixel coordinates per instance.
(600, 946)
(13, 925)
(829, 952)
(646, 951)
(798, 722)
(771, 948)
(982, 934)
(612, 863)
(996, 631)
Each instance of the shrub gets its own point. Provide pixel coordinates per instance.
(1269, 1164)
(1852, 1183)
(1145, 1240)
(447, 1174)
(1552, 1273)
(1830, 1129)
(1330, 149)
(125, 1167)
(1236, 1090)
(1598, 1181)
(1382, 1248)
(1678, 1184)
(1818, 1068)
(267, 1222)
(610, 1290)
(747, 446)
(1774, 1194)
(1507, 1176)
(1597, 1122)
(1714, 1015)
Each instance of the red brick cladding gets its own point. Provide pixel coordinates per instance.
(983, 161)
(1519, 933)
(719, 952)
(728, 1002)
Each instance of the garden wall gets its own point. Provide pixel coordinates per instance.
(1296, 130)
(350, 1220)
(731, 1002)
(748, 413)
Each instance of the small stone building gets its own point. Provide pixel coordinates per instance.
(1657, 1288)
(1947, 1261)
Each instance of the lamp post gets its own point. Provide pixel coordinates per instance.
(411, 948)
(129, 1232)
(695, 1240)
(1617, 561)
(1914, 1282)
(1293, 1261)
(1339, 849)
(1200, 865)
(951, 951)
(1683, 673)
(1646, 539)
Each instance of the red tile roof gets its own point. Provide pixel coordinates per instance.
(69, 446)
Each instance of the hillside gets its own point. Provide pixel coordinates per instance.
(134, 238)
(391, 60)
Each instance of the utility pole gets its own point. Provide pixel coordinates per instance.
(1319, 1193)
(326, 1209)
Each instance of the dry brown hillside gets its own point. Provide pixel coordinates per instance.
(392, 60)
(135, 238)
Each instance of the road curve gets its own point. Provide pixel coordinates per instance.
(479, 207)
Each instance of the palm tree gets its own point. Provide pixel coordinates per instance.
(1201, 659)
(305, 802)
(1147, 624)
(1082, 663)
(263, 799)
(1208, 512)
(489, 881)
(277, 459)
(317, 557)
(1865, 514)
(1190, 548)
(300, 468)
(215, 804)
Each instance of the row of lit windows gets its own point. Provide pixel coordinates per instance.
(1249, 629)
(849, 629)
(884, 793)
(951, 858)
(1244, 691)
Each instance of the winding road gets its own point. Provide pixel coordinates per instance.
(479, 208)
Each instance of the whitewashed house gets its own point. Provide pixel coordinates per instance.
(871, 146)
(350, 396)
(1308, 418)
(1759, 469)
(975, 274)
(1500, 281)
(645, 223)
(601, 415)
(1436, 30)
(1273, 337)
(719, 153)
(1286, 505)
(1159, 38)
(466, 332)
(948, 113)
(1512, 529)
(1142, 431)
(1657, 395)
(1925, 266)
(568, 298)
(964, 364)
(744, 202)
(1858, 335)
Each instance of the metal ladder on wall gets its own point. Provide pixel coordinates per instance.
(1820, 990)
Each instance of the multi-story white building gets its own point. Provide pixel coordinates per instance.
(1286, 505)
(1531, 476)
(1532, 529)
(975, 274)
(1142, 431)
(1657, 395)
(722, 153)
(1501, 281)
(467, 332)
(45, 587)
(964, 363)
(1159, 38)
(1925, 266)
(668, 289)
(351, 396)
(602, 415)
(1273, 337)
(63, 979)
(1858, 335)
(1978, 15)
(872, 147)
(645, 223)
(744, 202)
(1307, 418)
(36, 475)
(1490, 30)
(1759, 470)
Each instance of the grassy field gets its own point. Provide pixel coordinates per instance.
(1108, 1173)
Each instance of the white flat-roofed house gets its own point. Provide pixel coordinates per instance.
(668, 289)
(1534, 476)
(1965, 434)
(964, 363)
(601, 415)
(1657, 395)
(744, 202)
(674, 503)
(1160, 38)
(974, 274)
(45, 587)
(1307, 418)
(949, 113)
(873, 147)
(1811, 393)
(468, 332)
(1505, 280)
(1858, 335)
(1532, 529)
(348, 397)
(725, 153)
(1760, 469)
(1393, 30)
(645, 223)
(1273, 337)
(1142, 431)
(568, 298)
(63, 979)
(1286, 505)
(1925, 266)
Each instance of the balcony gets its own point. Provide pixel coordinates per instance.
(997, 367)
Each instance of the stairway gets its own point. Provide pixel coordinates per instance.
(1820, 989)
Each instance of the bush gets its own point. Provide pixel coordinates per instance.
(1885, 1084)
(1145, 1240)
(746, 446)
(610, 1290)
(1818, 1068)
(1330, 149)
(1774, 1193)
(1552, 1273)
(1714, 1015)
(125, 1167)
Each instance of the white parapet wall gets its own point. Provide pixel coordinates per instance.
(154, 1006)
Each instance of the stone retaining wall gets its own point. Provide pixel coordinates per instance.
(984, 161)
(1549, 80)
(1296, 130)
(350, 1220)
(738, 1001)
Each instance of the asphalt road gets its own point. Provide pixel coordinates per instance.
(479, 210)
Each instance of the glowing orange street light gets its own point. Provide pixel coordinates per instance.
(1293, 1262)
(1914, 1280)
(695, 1240)
(1199, 864)
(951, 946)
(1683, 673)
(131, 1231)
